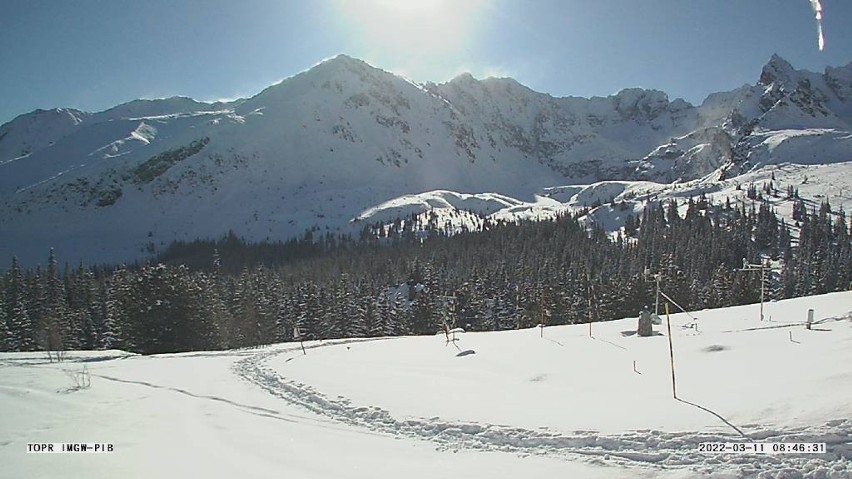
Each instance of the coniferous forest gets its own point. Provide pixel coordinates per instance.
(397, 280)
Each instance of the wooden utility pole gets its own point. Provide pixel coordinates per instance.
(671, 352)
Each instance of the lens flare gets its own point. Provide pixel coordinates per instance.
(817, 8)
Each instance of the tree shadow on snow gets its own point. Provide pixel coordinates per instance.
(735, 428)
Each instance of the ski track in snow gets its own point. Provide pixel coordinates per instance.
(643, 448)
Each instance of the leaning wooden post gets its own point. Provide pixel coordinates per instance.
(671, 351)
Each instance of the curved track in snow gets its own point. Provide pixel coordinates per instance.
(654, 449)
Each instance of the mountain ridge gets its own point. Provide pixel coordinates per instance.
(318, 149)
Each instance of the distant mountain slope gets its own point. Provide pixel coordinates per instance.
(323, 147)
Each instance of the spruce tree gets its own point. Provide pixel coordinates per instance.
(5, 333)
(116, 332)
(59, 327)
(22, 332)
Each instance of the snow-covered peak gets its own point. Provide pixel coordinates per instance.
(33, 131)
(638, 103)
(335, 67)
(783, 98)
(777, 70)
(463, 78)
(339, 77)
(71, 115)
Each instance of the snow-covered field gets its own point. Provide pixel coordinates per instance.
(529, 403)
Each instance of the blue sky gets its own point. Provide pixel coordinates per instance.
(94, 54)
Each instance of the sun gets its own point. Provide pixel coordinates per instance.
(408, 32)
(410, 6)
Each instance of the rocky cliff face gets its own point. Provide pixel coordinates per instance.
(733, 127)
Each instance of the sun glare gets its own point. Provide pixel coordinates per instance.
(407, 33)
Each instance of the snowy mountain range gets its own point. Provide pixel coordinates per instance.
(343, 143)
